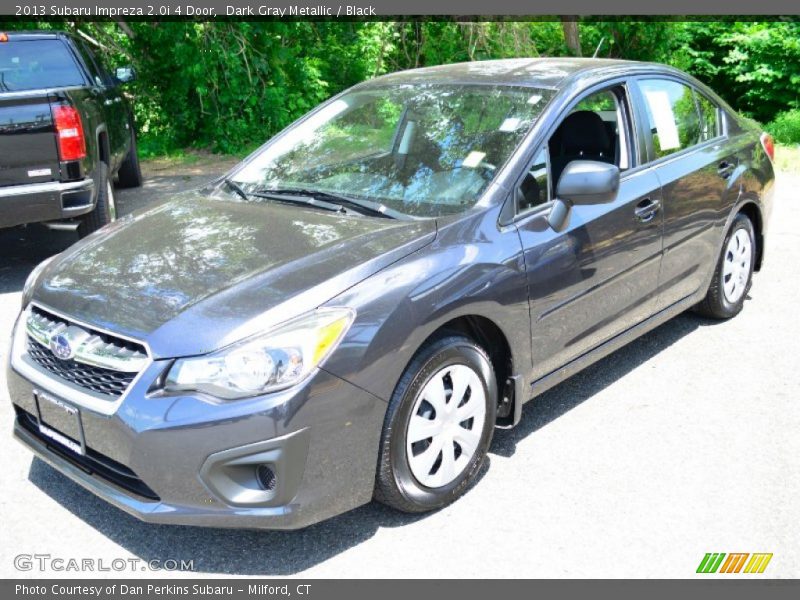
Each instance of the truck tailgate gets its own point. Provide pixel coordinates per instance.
(28, 150)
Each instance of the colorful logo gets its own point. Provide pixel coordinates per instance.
(716, 562)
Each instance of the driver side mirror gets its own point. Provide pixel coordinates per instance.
(582, 182)
(124, 74)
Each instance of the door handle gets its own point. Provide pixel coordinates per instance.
(646, 210)
(725, 168)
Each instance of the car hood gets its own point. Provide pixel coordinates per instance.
(195, 274)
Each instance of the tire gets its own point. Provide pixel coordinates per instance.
(404, 480)
(130, 173)
(733, 274)
(105, 209)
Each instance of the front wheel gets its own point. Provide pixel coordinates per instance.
(438, 426)
(733, 275)
(105, 209)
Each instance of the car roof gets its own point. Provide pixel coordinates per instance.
(33, 35)
(552, 73)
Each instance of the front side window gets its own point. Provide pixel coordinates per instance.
(535, 186)
(37, 64)
(595, 129)
(423, 150)
(674, 121)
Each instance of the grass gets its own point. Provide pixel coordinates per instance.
(787, 158)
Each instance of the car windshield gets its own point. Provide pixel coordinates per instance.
(37, 64)
(420, 150)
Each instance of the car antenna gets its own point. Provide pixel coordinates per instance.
(597, 50)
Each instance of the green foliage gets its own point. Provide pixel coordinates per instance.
(754, 65)
(228, 86)
(786, 127)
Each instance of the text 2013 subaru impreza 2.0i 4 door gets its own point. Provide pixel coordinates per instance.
(352, 311)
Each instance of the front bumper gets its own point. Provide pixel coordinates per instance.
(191, 460)
(50, 201)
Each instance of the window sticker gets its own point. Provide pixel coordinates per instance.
(473, 159)
(535, 99)
(510, 124)
(664, 119)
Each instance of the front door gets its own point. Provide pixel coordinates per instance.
(598, 277)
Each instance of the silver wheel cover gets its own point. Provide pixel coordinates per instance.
(446, 425)
(736, 265)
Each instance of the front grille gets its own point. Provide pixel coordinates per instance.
(103, 381)
(92, 463)
(102, 363)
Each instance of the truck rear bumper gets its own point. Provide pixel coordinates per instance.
(50, 201)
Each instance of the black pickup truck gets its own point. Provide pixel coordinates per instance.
(66, 131)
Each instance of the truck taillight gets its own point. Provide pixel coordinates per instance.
(69, 132)
(769, 145)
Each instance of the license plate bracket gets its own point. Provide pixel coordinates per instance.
(60, 422)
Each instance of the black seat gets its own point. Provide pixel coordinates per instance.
(582, 136)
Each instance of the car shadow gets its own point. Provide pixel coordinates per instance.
(280, 553)
(220, 551)
(22, 248)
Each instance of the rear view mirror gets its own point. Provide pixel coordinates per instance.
(582, 182)
(124, 74)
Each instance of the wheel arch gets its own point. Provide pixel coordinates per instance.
(486, 334)
(753, 212)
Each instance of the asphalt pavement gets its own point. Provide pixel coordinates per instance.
(685, 442)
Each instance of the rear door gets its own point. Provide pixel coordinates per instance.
(599, 277)
(28, 67)
(687, 150)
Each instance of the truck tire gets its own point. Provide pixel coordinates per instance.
(130, 173)
(105, 209)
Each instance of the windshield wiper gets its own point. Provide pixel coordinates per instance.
(297, 197)
(368, 207)
(293, 197)
(236, 188)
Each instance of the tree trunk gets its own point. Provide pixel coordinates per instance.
(572, 36)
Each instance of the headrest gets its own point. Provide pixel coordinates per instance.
(584, 131)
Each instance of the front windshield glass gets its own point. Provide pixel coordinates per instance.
(422, 150)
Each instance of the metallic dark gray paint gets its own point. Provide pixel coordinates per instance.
(560, 301)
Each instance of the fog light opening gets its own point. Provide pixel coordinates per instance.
(266, 477)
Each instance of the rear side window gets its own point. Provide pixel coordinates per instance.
(673, 117)
(709, 118)
(37, 64)
(96, 69)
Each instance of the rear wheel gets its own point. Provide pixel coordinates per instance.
(438, 426)
(105, 209)
(130, 173)
(734, 272)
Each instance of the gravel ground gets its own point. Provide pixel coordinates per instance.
(682, 443)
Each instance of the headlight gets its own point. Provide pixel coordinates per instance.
(27, 289)
(266, 363)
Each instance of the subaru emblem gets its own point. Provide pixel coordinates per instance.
(60, 347)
